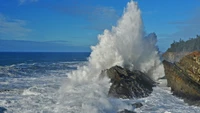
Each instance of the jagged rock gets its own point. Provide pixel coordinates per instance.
(4, 90)
(137, 105)
(126, 111)
(184, 76)
(128, 84)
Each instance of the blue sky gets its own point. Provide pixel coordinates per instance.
(73, 25)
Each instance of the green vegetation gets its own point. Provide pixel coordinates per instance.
(193, 44)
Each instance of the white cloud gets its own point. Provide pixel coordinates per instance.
(14, 28)
(24, 1)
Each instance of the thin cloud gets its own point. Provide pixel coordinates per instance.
(99, 17)
(13, 27)
(58, 41)
(149, 12)
(186, 29)
(24, 1)
(102, 18)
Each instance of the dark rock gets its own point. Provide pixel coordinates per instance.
(184, 77)
(137, 105)
(2, 109)
(128, 84)
(126, 111)
(4, 90)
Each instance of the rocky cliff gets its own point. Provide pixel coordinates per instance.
(184, 76)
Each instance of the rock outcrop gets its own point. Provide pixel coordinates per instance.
(184, 76)
(128, 84)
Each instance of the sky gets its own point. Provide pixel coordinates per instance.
(73, 25)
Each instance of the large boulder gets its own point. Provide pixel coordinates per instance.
(128, 84)
(184, 76)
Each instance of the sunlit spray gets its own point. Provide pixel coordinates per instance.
(124, 45)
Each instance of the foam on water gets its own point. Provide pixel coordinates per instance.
(125, 45)
(84, 91)
(38, 94)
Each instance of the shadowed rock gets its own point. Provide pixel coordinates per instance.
(2, 109)
(126, 111)
(128, 84)
(137, 105)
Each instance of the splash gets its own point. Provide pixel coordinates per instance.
(125, 45)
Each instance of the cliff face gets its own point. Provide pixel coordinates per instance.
(184, 76)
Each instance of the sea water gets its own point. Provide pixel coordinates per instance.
(32, 86)
(71, 82)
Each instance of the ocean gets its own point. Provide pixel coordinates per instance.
(29, 81)
(32, 83)
(72, 82)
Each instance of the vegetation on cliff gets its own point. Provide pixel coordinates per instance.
(193, 44)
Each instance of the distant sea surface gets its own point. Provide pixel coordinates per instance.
(10, 58)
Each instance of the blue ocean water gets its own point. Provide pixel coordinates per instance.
(29, 81)
(10, 58)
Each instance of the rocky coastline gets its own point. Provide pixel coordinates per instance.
(184, 77)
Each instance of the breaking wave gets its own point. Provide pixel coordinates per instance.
(125, 45)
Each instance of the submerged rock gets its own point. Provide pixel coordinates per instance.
(128, 84)
(137, 105)
(126, 111)
(184, 76)
(2, 109)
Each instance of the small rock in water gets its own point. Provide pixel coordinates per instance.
(2, 109)
(137, 105)
(126, 111)
(128, 84)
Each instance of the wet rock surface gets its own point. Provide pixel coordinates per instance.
(128, 84)
(126, 111)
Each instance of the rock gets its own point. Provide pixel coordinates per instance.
(4, 90)
(126, 111)
(137, 105)
(2, 109)
(184, 76)
(128, 84)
